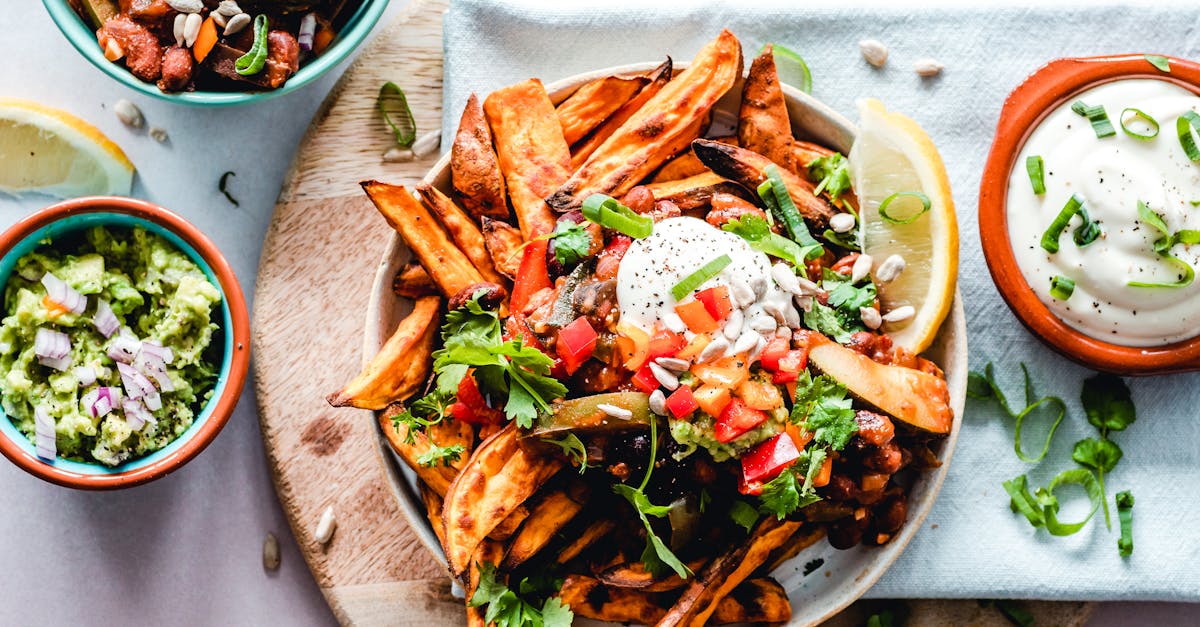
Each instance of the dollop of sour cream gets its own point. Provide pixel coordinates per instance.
(677, 248)
(1112, 174)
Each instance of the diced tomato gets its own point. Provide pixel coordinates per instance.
(768, 459)
(532, 275)
(665, 344)
(576, 342)
(474, 408)
(462, 413)
(790, 366)
(516, 326)
(695, 315)
(752, 488)
(644, 380)
(773, 352)
(609, 260)
(736, 419)
(716, 301)
(712, 399)
(681, 403)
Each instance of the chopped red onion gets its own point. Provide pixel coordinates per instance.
(153, 401)
(51, 344)
(64, 295)
(158, 350)
(124, 347)
(60, 365)
(136, 384)
(136, 414)
(85, 374)
(153, 367)
(105, 320)
(99, 401)
(44, 435)
(308, 28)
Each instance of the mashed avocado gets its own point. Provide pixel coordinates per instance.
(159, 297)
(698, 433)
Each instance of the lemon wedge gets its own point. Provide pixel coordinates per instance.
(48, 151)
(893, 155)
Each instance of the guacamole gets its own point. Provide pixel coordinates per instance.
(697, 432)
(138, 316)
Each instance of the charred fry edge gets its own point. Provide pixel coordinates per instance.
(474, 168)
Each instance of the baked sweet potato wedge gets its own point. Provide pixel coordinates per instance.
(763, 124)
(686, 164)
(532, 152)
(635, 575)
(695, 191)
(474, 168)
(656, 79)
(748, 168)
(489, 552)
(433, 511)
(586, 538)
(659, 129)
(462, 229)
(401, 365)
(446, 263)
(412, 281)
(446, 433)
(546, 518)
(591, 104)
(497, 479)
(755, 601)
(503, 242)
(802, 539)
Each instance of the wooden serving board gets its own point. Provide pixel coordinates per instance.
(318, 262)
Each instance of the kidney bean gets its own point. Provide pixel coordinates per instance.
(176, 69)
(640, 199)
(885, 459)
(891, 513)
(847, 533)
(841, 488)
(874, 428)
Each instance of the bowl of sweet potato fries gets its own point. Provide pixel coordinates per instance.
(627, 364)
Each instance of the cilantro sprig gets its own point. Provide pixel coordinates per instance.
(472, 338)
(573, 448)
(505, 608)
(833, 173)
(657, 556)
(757, 232)
(422, 414)
(444, 455)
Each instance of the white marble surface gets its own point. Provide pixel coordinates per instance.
(185, 550)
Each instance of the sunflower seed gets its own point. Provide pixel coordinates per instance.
(745, 343)
(236, 23)
(784, 333)
(791, 317)
(804, 303)
(271, 552)
(664, 377)
(614, 411)
(186, 6)
(326, 526)
(191, 28)
(861, 268)
(673, 322)
(219, 19)
(733, 324)
(807, 288)
(758, 349)
(759, 285)
(658, 402)
(674, 364)
(715, 349)
(228, 8)
(397, 154)
(870, 317)
(129, 114)
(890, 269)
(742, 293)
(873, 51)
(427, 144)
(775, 309)
(842, 223)
(159, 135)
(785, 278)
(178, 28)
(927, 68)
(763, 324)
(900, 314)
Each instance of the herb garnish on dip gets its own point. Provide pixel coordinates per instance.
(105, 345)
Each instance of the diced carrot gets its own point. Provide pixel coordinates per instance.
(205, 40)
(322, 38)
(695, 315)
(822, 478)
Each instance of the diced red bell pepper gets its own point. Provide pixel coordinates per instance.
(609, 260)
(752, 488)
(576, 342)
(681, 403)
(716, 301)
(644, 380)
(790, 366)
(736, 419)
(474, 408)
(695, 315)
(765, 461)
(462, 413)
(516, 326)
(773, 352)
(532, 275)
(665, 344)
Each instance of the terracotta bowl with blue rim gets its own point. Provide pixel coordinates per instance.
(1040, 94)
(76, 215)
(83, 38)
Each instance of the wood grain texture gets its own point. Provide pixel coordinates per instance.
(315, 276)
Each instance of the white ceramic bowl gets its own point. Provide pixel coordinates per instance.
(851, 572)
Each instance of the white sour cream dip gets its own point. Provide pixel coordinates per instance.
(1112, 174)
(677, 248)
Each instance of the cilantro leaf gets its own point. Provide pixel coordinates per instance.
(786, 493)
(1108, 403)
(833, 172)
(824, 409)
(758, 234)
(826, 321)
(555, 614)
(507, 609)
(743, 514)
(846, 299)
(444, 455)
(573, 448)
(1099, 455)
(572, 242)
(422, 414)
(656, 557)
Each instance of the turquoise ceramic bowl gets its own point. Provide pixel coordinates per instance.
(77, 215)
(84, 40)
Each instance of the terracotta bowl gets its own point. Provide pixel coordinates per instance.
(845, 575)
(234, 335)
(1044, 91)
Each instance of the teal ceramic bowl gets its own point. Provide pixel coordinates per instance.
(84, 39)
(73, 216)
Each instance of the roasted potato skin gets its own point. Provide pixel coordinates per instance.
(748, 168)
(474, 167)
(656, 79)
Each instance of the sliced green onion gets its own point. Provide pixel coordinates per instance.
(222, 186)
(1097, 116)
(1184, 125)
(1034, 166)
(1163, 245)
(1061, 287)
(697, 278)
(1145, 117)
(1162, 63)
(1022, 501)
(256, 57)
(787, 211)
(791, 68)
(925, 205)
(1085, 233)
(1125, 511)
(1078, 476)
(610, 214)
(1050, 401)
(393, 105)
(1186, 276)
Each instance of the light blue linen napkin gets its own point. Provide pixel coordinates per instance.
(972, 545)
